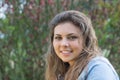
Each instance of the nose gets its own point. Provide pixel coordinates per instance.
(65, 43)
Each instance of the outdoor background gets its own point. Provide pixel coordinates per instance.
(24, 33)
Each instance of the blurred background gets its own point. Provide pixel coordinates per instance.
(24, 33)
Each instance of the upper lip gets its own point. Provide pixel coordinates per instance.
(65, 51)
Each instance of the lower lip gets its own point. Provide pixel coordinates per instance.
(66, 54)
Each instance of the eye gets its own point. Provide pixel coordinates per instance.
(57, 38)
(72, 37)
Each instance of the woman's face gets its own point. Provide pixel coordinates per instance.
(67, 42)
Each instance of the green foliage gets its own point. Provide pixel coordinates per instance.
(24, 35)
(107, 29)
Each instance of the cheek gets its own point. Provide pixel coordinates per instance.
(55, 46)
(78, 45)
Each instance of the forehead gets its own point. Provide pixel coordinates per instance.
(66, 28)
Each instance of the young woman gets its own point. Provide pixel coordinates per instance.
(73, 51)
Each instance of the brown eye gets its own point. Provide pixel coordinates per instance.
(72, 37)
(57, 38)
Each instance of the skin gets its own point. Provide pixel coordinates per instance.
(67, 42)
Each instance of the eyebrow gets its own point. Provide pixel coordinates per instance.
(67, 34)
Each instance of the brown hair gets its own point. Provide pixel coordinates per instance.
(55, 67)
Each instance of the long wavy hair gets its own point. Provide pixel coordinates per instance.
(56, 69)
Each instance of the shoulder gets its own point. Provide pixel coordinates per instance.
(99, 61)
(99, 68)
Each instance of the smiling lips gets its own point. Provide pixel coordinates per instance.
(66, 52)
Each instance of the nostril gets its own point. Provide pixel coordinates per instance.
(65, 44)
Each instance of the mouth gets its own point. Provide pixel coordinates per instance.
(66, 52)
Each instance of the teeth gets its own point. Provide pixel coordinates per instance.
(65, 52)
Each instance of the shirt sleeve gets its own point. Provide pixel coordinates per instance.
(101, 69)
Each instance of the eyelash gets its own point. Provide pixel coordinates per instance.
(72, 37)
(69, 38)
(58, 38)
